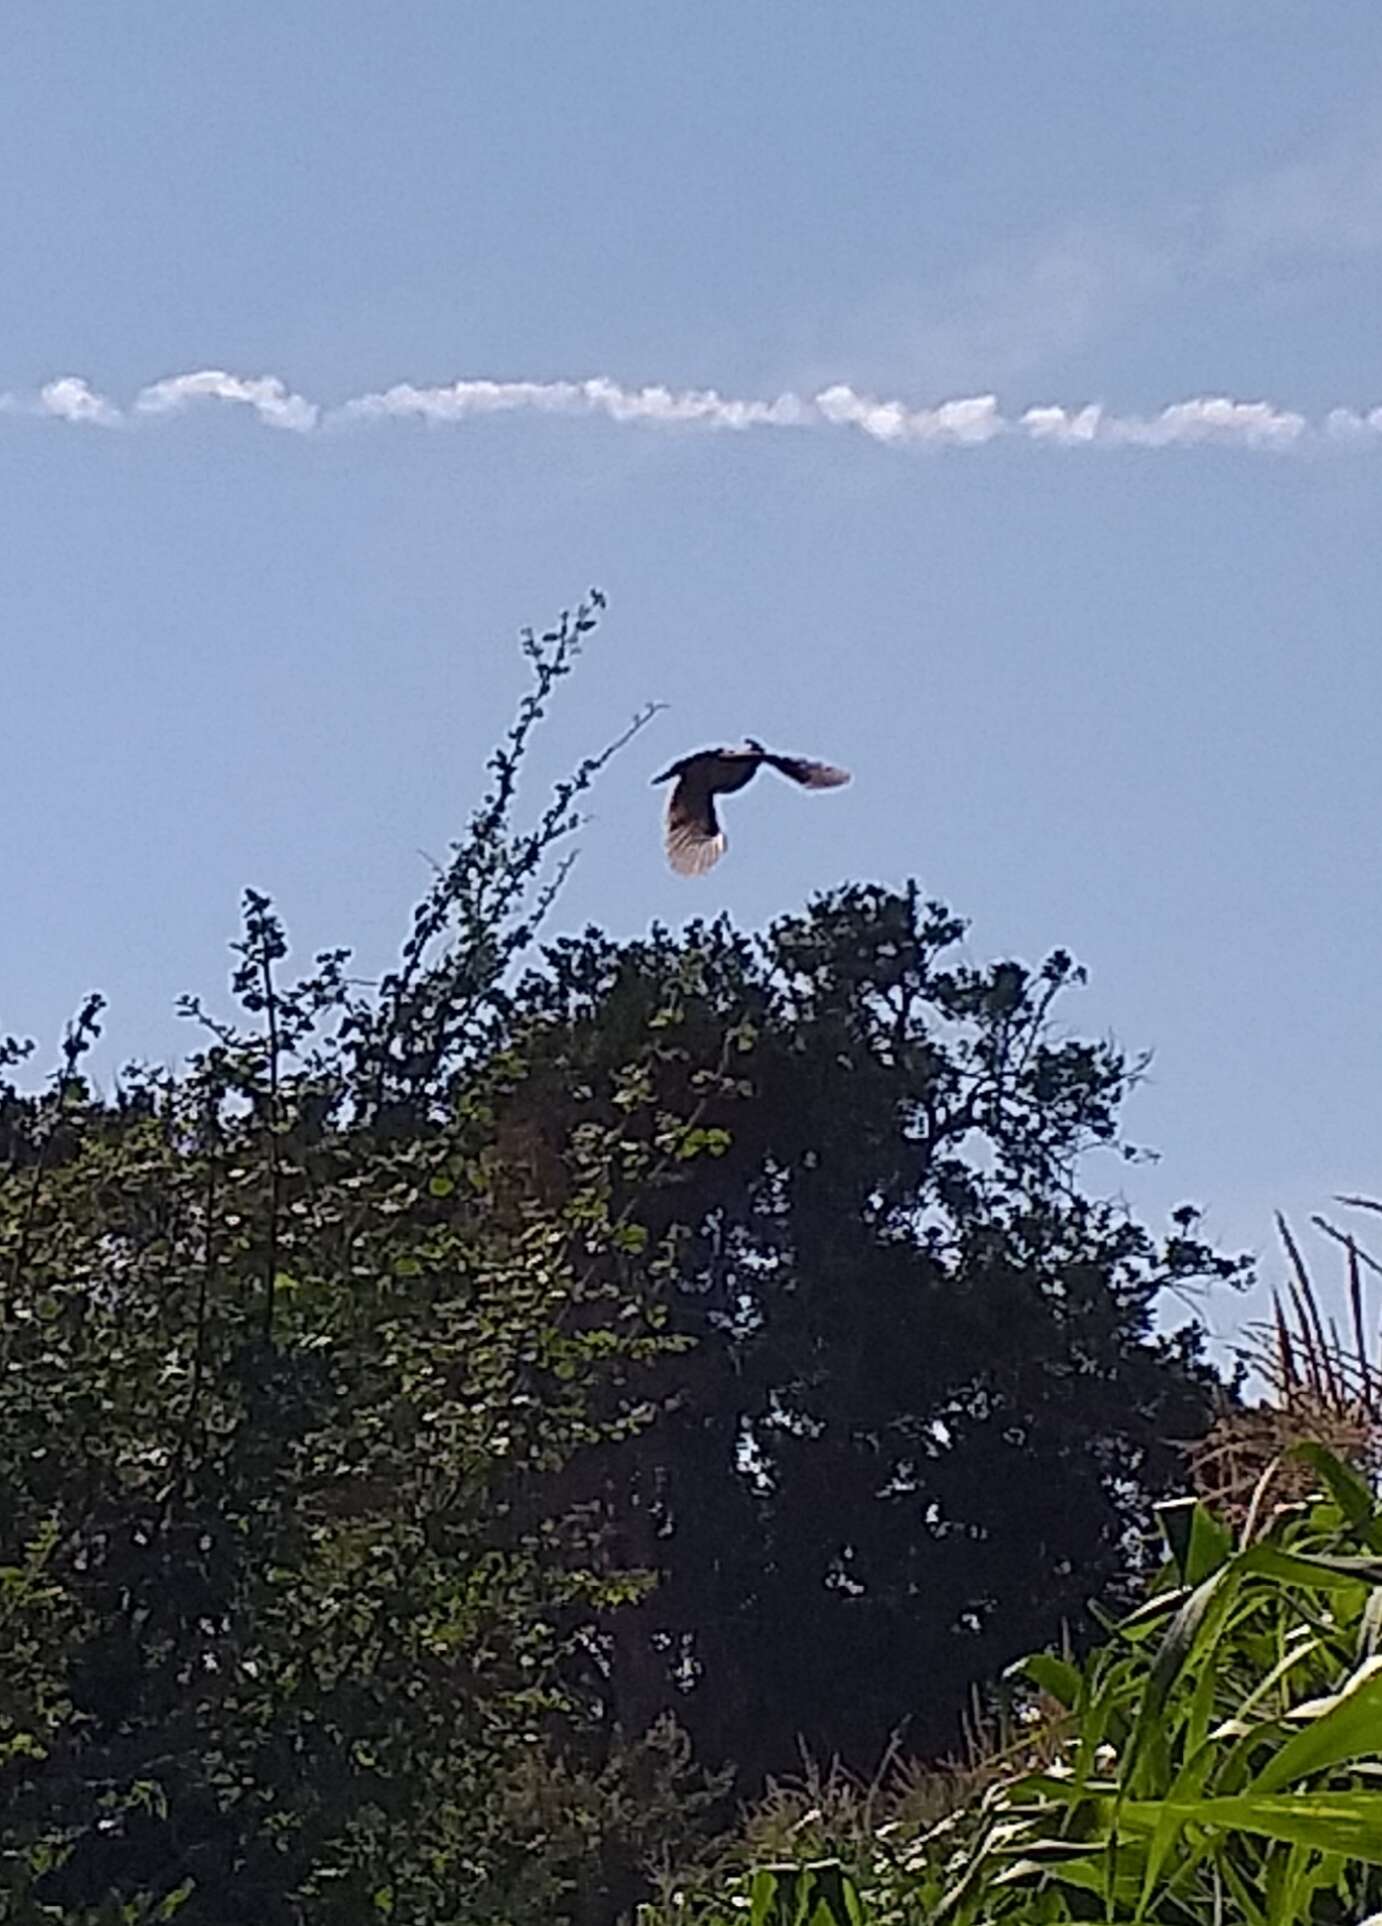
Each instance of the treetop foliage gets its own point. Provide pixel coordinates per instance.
(453, 1428)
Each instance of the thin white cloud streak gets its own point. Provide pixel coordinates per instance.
(968, 421)
(598, 396)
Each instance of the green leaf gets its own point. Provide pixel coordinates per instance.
(709, 1142)
(1056, 1677)
(833, 1898)
(1196, 1623)
(440, 1186)
(1345, 1822)
(22, 1745)
(1345, 1726)
(1042, 1853)
(1138, 1624)
(1370, 1627)
(1198, 1543)
(1349, 1492)
(764, 1891)
(1324, 1571)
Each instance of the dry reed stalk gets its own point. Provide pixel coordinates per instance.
(1321, 1389)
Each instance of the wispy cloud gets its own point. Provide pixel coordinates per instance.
(1039, 296)
(1328, 202)
(968, 421)
(1034, 299)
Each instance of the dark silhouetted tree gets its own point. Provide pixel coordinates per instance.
(926, 1408)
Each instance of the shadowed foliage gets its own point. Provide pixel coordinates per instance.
(452, 1427)
(924, 1411)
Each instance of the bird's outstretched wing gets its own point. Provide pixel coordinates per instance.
(811, 775)
(695, 840)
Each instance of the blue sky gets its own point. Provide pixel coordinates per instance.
(1109, 677)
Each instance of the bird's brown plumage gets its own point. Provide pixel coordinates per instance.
(695, 841)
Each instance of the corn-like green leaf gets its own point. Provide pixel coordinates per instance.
(1197, 1542)
(1370, 1627)
(1344, 1822)
(764, 1893)
(1349, 1492)
(1055, 1676)
(1047, 1852)
(1346, 1726)
(1307, 1568)
(832, 1896)
(1149, 1614)
(1188, 1785)
(1196, 1619)
(817, 1893)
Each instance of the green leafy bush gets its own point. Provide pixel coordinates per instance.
(294, 1609)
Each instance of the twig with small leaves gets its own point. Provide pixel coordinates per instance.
(80, 1035)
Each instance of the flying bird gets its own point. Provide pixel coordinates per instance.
(695, 841)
